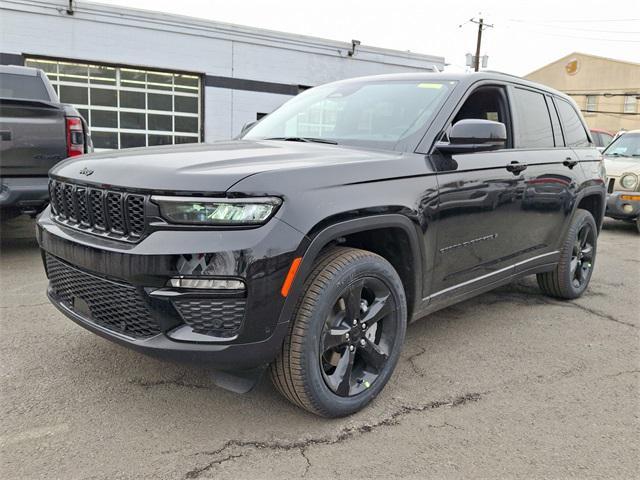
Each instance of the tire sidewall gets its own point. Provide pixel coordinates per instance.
(323, 398)
(581, 219)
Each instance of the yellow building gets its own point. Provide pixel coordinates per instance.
(606, 90)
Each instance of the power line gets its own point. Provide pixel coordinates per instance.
(546, 25)
(578, 21)
(600, 39)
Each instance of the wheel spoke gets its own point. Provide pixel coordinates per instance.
(341, 378)
(372, 354)
(582, 236)
(379, 309)
(573, 266)
(587, 252)
(335, 337)
(352, 300)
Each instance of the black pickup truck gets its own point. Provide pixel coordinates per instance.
(306, 246)
(37, 132)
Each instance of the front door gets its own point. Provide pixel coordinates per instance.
(479, 221)
(481, 234)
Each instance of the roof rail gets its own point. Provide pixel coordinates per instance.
(501, 73)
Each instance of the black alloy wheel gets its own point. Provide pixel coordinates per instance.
(346, 334)
(582, 255)
(357, 336)
(570, 277)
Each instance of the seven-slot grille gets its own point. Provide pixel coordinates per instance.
(113, 305)
(95, 210)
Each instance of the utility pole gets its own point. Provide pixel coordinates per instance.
(481, 26)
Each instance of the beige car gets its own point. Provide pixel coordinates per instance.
(622, 161)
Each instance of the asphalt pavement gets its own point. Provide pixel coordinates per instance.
(507, 385)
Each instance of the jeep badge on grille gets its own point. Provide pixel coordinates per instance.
(86, 171)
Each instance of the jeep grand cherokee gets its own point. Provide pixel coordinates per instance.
(306, 246)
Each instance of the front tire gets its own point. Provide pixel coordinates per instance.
(570, 278)
(345, 336)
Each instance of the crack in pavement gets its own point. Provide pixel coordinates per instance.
(526, 296)
(623, 372)
(343, 435)
(25, 305)
(411, 359)
(303, 452)
(172, 382)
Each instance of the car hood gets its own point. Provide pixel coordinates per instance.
(213, 167)
(616, 166)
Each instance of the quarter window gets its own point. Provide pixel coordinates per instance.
(128, 107)
(534, 123)
(574, 132)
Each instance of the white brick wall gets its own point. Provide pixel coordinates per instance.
(132, 37)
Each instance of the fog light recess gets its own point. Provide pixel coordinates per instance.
(206, 283)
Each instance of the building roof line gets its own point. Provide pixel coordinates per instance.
(211, 28)
(584, 55)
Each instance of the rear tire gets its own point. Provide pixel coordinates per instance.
(345, 336)
(570, 278)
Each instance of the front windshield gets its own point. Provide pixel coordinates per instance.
(626, 145)
(378, 114)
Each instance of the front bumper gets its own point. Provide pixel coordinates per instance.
(24, 193)
(623, 205)
(260, 257)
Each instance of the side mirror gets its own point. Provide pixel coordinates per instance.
(474, 135)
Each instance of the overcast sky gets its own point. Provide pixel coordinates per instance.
(525, 36)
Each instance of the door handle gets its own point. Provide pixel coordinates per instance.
(570, 162)
(516, 167)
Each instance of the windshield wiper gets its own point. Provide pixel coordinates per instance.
(304, 139)
(616, 154)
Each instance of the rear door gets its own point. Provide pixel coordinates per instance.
(575, 133)
(550, 177)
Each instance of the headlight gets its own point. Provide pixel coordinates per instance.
(628, 180)
(213, 211)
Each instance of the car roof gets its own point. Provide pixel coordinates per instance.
(18, 70)
(466, 78)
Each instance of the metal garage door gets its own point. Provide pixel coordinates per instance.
(129, 107)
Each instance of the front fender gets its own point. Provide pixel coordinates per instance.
(311, 247)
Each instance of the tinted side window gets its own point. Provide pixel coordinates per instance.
(574, 133)
(534, 124)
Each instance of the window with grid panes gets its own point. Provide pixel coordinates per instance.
(128, 107)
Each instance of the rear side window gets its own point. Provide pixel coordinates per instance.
(534, 123)
(574, 133)
(22, 86)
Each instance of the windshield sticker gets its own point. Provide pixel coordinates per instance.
(435, 86)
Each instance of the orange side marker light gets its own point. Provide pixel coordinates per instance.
(293, 269)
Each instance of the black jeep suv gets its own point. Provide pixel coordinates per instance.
(307, 245)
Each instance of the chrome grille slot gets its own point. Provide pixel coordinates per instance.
(115, 213)
(83, 208)
(96, 202)
(69, 203)
(135, 212)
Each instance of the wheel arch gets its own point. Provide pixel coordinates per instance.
(594, 201)
(349, 233)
